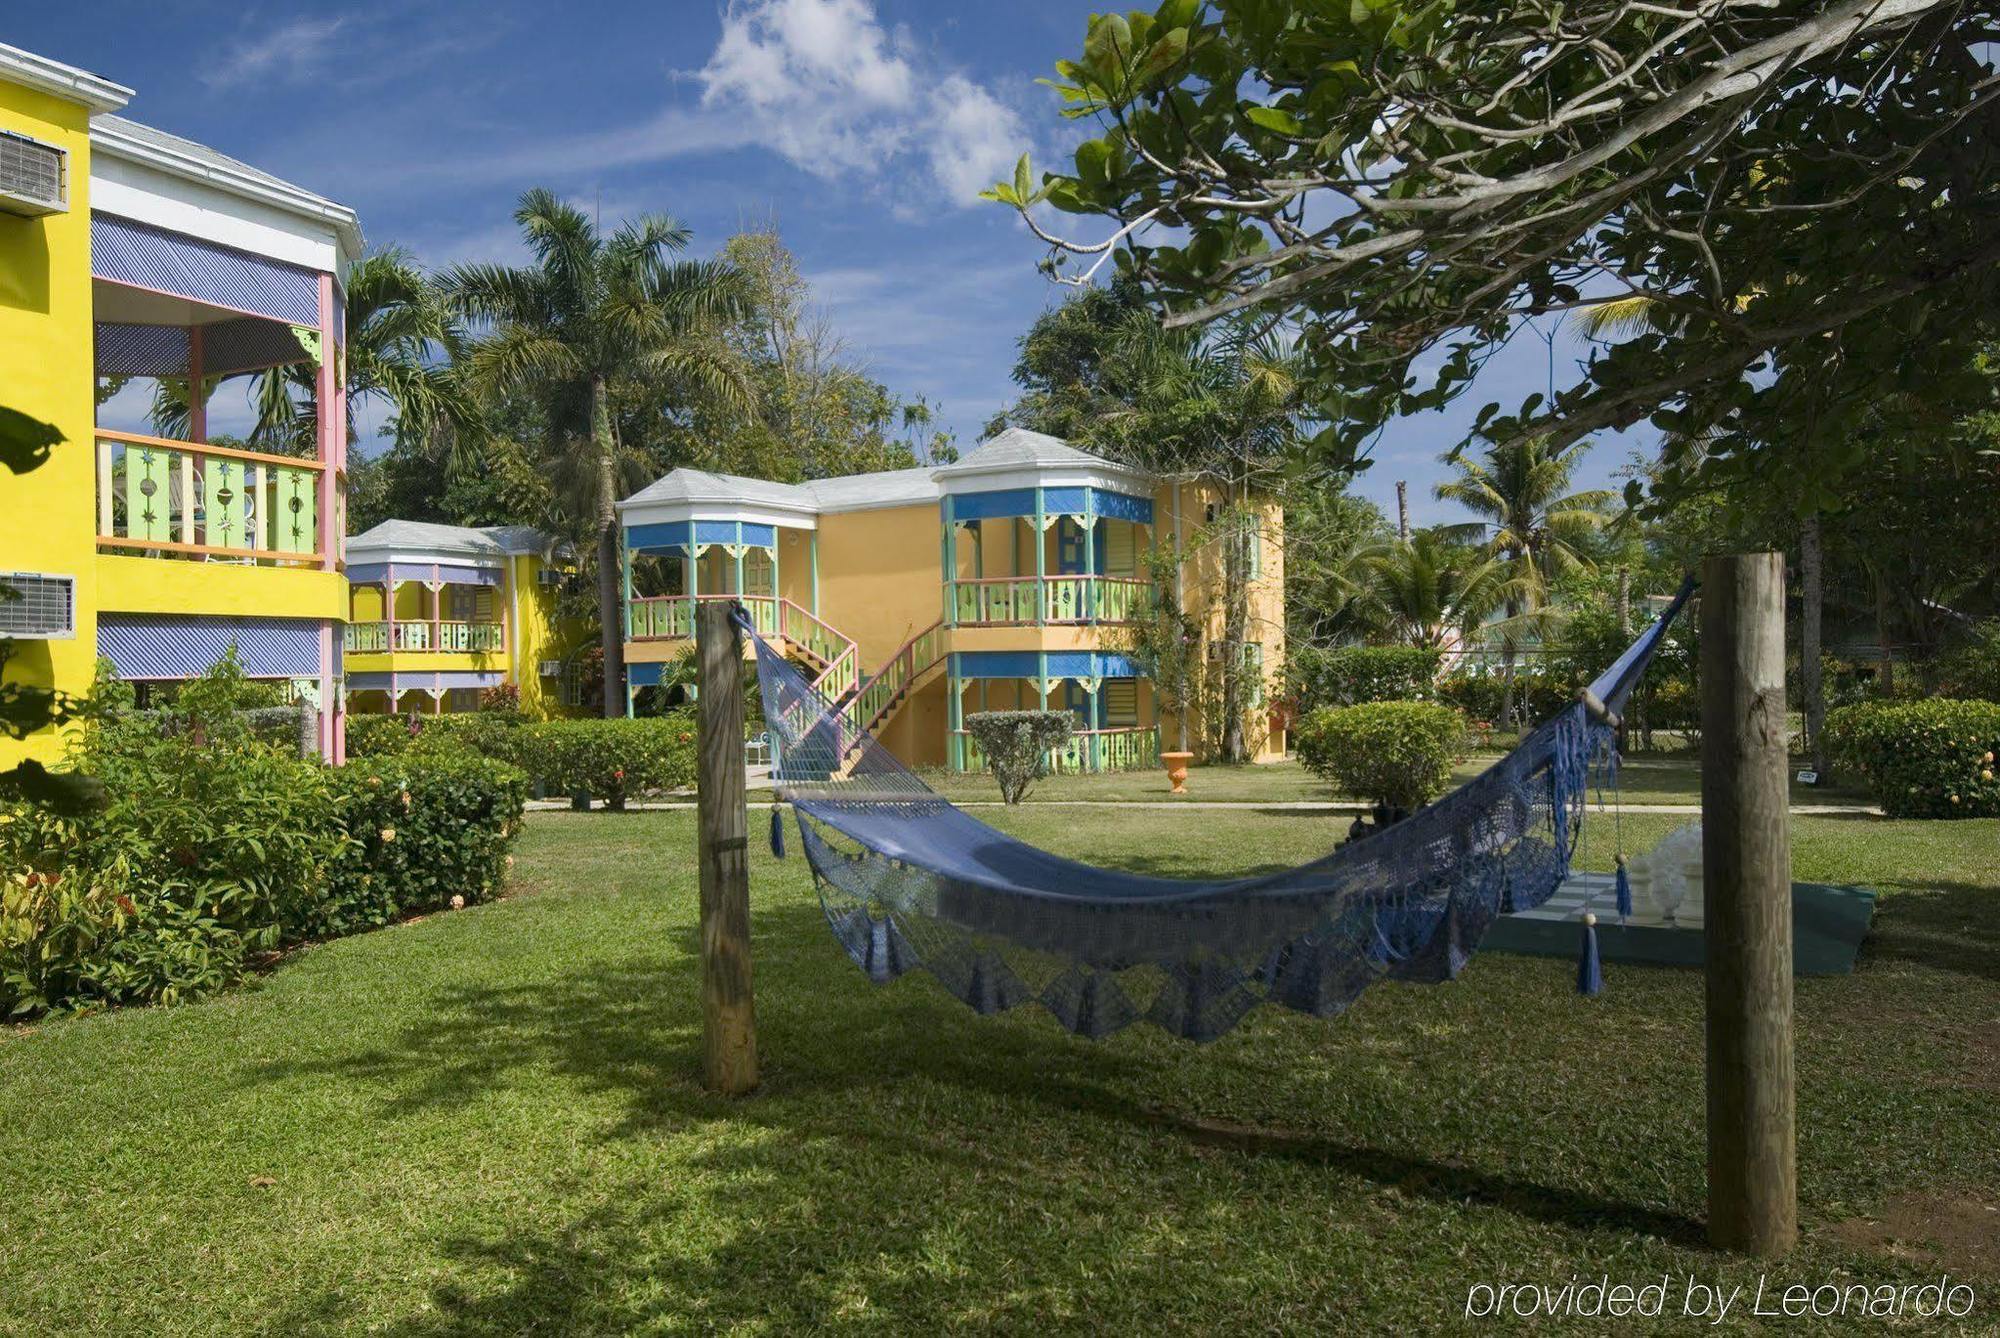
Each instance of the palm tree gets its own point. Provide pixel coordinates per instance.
(1532, 522)
(593, 317)
(1430, 591)
(400, 336)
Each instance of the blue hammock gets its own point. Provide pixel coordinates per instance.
(909, 882)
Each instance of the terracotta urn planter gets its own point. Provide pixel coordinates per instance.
(1177, 769)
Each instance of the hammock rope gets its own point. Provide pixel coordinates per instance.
(910, 882)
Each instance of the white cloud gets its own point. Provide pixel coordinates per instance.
(290, 50)
(822, 83)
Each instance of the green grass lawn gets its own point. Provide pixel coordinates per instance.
(1665, 778)
(492, 1121)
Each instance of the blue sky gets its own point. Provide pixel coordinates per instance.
(862, 128)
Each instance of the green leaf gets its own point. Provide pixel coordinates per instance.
(1024, 182)
(1275, 118)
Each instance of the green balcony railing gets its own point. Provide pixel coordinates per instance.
(1125, 748)
(405, 637)
(1016, 601)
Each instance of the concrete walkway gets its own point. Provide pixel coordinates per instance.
(680, 805)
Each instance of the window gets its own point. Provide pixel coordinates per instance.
(1120, 699)
(1253, 666)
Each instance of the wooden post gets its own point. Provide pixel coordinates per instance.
(1747, 906)
(728, 1003)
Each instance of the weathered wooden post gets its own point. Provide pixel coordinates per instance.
(728, 1003)
(1747, 906)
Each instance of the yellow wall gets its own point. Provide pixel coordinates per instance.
(46, 371)
(153, 585)
(1202, 590)
(534, 635)
(878, 576)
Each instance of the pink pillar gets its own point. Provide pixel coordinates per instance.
(328, 393)
(197, 401)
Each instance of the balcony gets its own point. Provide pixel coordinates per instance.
(1027, 601)
(444, 637)
(180, 499)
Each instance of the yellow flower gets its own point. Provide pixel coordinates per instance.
(458, 903)
(388, 835)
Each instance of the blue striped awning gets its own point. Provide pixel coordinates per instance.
(168, 646)
(244, 344)
(373, 573)
(144, 256)
(431, 680)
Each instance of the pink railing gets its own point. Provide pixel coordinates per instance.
(879, 695)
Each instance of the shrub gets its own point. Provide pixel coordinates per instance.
(1356, 674)
(1972, 671)
(1017, 743)
(1479, 696)
(212, 848)
(1921, 759)
(421, 829)
(378, 735)
(608, 759)
(1396, 753)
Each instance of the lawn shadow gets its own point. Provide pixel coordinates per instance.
(1944, 926)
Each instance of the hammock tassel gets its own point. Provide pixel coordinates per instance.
(1624, 891)
(1589, 970)
(778, 834)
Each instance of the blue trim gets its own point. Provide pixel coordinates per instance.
(993, 505)
(408, 680)
(1065, 501)
(373, 573)
(643, 675)
(657, 538)
(759, 536)
(169, 262)
(974, 664)
(714, 532)
(156, 646)
(1122, 506)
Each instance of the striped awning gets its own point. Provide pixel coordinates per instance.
(374, 573)
(245, 344)
(432, 680)
(143, 256)
(171, 647)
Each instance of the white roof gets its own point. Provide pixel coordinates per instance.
(413, 540)
(1014, 458)
(126, 157)
(64, 81)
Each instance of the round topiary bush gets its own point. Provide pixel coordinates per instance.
(1921, 759)
(1395, 753)
(1017, 744)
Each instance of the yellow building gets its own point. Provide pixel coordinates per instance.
(130, 254)
(440, 614)
(1007, 580)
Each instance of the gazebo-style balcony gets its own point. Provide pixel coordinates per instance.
(1045, 556)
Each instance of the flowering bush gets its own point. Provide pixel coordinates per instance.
(422, 830)
(609, 759)
(1396, 753)
(378, 735)
(1921, 759)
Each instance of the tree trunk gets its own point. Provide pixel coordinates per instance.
(1235, 630)
(1884, 616)
(1625, 602)
(610, 613)
(1513, 611)
(1812, 683)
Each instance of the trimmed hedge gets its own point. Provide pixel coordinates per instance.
(420, 830)
(1537, 696)
(1017, 743)
(606, 759)
(1921, 759)
(1356, 674)
(1396, 753)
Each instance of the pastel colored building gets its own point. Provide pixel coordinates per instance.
(440, 614)
(1009, 579)
(130, 254)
